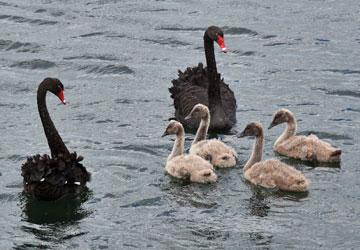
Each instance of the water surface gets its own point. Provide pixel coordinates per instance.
(116, 60)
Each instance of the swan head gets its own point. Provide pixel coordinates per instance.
(252, 129)
(203, 176)
(216, 34)
(224, 160)
(173, 128)
(198, 111)
(56, 87)
(281, 116)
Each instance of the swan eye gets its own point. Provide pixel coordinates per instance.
(225, 158)
(207, 174)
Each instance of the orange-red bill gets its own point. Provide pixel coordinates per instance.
(221, 42)
(61, 96)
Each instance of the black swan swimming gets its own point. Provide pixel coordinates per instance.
(205, 86)
(49, 178)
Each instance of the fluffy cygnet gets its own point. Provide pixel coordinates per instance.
(309, 148)
(191, 167)
(214, 150)
(270, 173)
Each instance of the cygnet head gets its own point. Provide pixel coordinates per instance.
(281, 116)
(224, 160)
(203, 176)
(173, 128)
(199, 111)
(252, 129)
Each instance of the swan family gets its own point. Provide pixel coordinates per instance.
(202, 102)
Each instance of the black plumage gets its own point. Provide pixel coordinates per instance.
(205, 85)
(49, 178)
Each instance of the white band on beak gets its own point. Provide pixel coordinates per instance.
(224, 49)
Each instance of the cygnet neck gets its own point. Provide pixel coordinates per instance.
(289, 131)
(202, 131)
(178, 147)
(256, 153)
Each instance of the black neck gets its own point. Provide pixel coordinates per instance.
(55, 142)
(213, 78)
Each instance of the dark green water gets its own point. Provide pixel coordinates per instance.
(116, 60)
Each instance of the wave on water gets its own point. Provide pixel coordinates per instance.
(93, 57)
(167, 41)
(20, 19)
(19, 46)
(348, 93)
(110, 69)
(239, 31)
(34, 64)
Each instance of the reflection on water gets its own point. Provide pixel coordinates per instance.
(260, 201)
(64, 211)
(116, 60)
(50, 223)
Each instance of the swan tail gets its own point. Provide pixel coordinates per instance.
(300, 186)
(337, 152)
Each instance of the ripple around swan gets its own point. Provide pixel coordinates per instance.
(34, 64)
(156, 201)
(106, 70)
(348, 93)
(239, 31)
(276, 44)
(95, 57)
(351, 110)
(19, 46)
(66, 210)
(20, 19)
(326, 135)
(243, 53)
(4, 4)
(147, 149)
(93, 34)
(343, 71)
(157, 10)
(16, 157)
(307, 104)
(8, 197)
(133, 101)
(179, 28)
(268, 36)
(167, 41)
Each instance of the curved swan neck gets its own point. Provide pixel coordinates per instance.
(202, 131)
(55, 142)
(289, 131)
(178, 147)
(256, 153)
(213, 78)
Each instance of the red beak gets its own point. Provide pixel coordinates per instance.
(221, 42)
(61, 97)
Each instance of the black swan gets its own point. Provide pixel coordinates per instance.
(49, 178)
(205, 86)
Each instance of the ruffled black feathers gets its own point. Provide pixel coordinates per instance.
(50, 178)
(191, 88)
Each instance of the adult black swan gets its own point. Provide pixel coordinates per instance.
(205, 86)
(49, 178)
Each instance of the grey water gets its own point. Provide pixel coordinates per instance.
(116, 60)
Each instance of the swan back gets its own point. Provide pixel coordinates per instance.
(309, 148)
(270, 173)
(217, 152)
(274, 174)
(191, 167)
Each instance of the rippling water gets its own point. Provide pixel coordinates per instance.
(116, 60)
